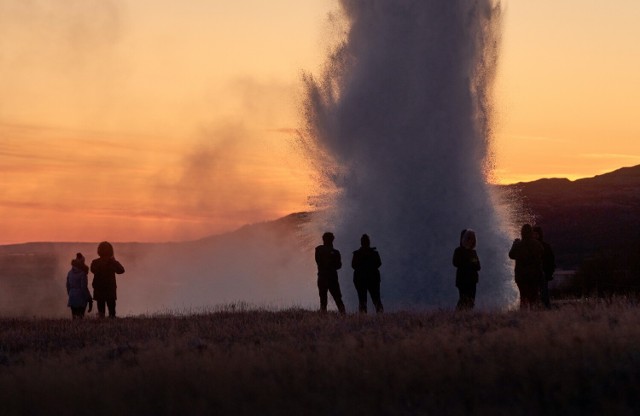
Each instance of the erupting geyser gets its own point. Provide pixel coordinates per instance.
(399, 126)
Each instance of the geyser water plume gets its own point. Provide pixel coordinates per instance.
(399, 126)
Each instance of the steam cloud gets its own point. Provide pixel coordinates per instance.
(399, 126)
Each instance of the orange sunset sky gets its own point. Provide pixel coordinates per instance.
(156, 120)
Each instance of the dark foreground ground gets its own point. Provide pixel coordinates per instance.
(582, 358)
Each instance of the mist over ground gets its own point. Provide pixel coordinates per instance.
(263, 265)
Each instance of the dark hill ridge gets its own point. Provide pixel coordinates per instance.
(585, 216)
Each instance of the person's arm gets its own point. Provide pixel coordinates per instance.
(513, 253)
(457, 261)
(476, 261)
(85, 288)
(378, 260)
(338, 260)
(117, 267)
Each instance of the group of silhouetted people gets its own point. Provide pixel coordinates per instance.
(104, 270)
(535, 264)
(534, 268)
(366, 274)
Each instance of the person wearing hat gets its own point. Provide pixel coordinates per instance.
(329, 262)
(78, 288)
(104, 271)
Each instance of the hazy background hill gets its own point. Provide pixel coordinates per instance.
(587, 216)
(593, 225)
(261, 264)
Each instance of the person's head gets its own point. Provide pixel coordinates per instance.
(327, 238)
(365, 241)
(526, 231)
(537, 233)
(78, 261)
(105, 249)
(462, 235)
(468, 239)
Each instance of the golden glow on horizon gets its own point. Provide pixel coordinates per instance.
(163, 120)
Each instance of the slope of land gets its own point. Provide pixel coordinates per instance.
(586, 216)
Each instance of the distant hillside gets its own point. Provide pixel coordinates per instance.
(585, 216)
(260, 263)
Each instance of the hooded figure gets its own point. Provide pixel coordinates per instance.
(467, 263)
(77, 287)
(104, 271)
(366, 276)
(329, 262)
(527, 252)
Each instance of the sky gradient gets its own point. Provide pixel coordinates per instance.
(139, 120)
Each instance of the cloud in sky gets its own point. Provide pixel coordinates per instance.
(119, 121)
(226, 177)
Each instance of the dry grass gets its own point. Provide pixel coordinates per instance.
(579, 359)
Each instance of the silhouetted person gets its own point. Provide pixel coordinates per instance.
(366, 276)
(528, 252)
(104, 271)
(329, 262)
(466, 260)
(78, 288)
(548, 266)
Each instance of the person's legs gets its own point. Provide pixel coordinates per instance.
(322, 291)
(374, 291)
(111, 304)
(361, 288)
(77, 313)
(334, 289)
(544, 293)
(471, 295)
(529, 294)
(101, 308)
